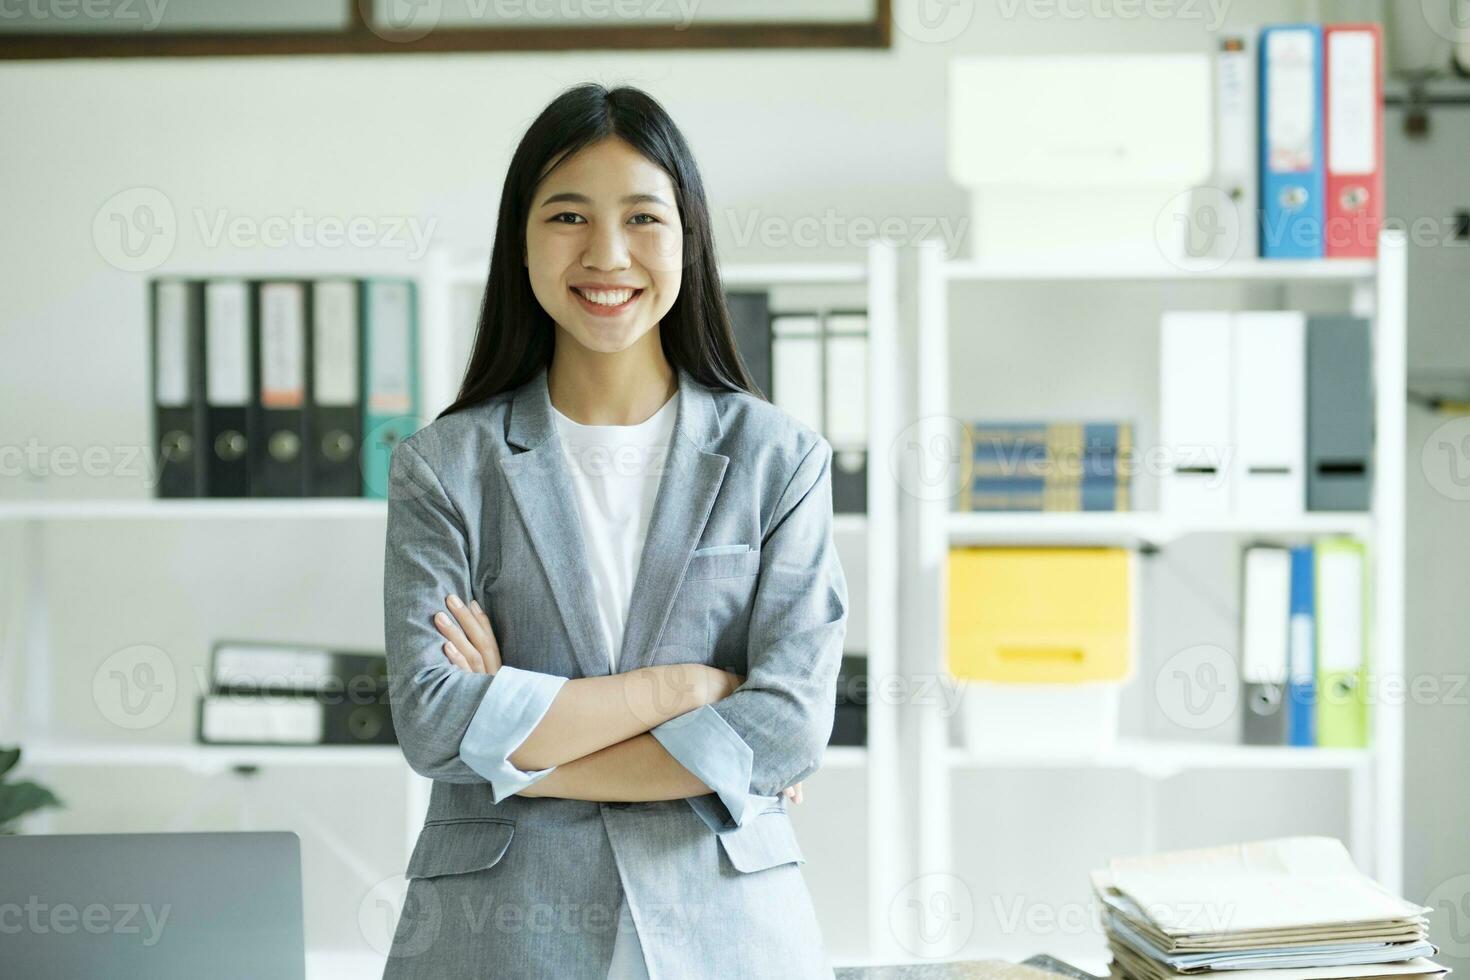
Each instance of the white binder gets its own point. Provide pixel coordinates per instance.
(1225, 223)
(1269, 399)
(847, 381)
(796, 359)
(1265, 613)
(1195, 392)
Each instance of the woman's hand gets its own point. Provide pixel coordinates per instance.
(721, 683)
(793, 793)
(470, 643)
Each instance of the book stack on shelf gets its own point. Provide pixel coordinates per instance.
(1049, 466)
(1293, 908)
(282, 388)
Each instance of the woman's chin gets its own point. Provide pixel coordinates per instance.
(604, 341)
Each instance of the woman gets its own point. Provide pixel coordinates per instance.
(613, 606)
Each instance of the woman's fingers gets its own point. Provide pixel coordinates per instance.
(451, 631)
(470, 624)
(456, 658)
(492, 655)
(793, 793)
(476, 627)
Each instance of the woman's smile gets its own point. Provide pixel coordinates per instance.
(606, 302)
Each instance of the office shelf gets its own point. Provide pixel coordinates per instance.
(279, 509)
(193, 509)
(1045, 270)
(208, 759)
(1131, 529)
(1375, 289)
(1160, 758)
(54, 753)
(845, 757)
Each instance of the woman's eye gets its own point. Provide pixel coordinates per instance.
(652, 219)
(565, 214)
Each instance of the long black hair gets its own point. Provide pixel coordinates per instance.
(515, 336)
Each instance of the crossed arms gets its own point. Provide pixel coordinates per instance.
(665, 732)
(592, 738)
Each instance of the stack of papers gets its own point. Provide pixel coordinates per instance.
(1295, 908)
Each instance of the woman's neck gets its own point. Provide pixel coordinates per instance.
(624, 388)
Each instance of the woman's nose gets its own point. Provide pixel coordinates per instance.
(607, 250)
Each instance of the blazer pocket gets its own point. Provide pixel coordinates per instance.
(766, 841)
(722, 561)
(459, 846)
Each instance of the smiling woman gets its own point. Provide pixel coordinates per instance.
(649, 670)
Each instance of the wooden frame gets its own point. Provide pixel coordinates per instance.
(361, 38)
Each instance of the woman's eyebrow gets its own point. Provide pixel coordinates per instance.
(576, 198)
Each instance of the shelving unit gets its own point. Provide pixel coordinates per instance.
(1375, 775)
(26, 716)
(1133, 528)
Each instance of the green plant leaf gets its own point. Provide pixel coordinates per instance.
(18, 799)
(8, 759)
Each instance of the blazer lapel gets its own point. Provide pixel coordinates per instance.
(541, 485)
(686, 496)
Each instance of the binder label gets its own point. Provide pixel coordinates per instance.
(847, 389)
(282, 347)
(1340, 626)
(796, 358)
(335, 364)
(1352, 80)
(227, 353)
(1291, 101)
(171, 347)
(390, 347)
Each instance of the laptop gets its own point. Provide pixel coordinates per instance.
(226, 906)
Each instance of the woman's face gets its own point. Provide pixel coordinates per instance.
(604, 245)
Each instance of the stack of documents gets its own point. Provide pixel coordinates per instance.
(1289, 909)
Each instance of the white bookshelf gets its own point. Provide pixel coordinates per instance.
(1160, 759)
(1235, 270)
(1134, 528)
(1375, 288)
(27, 718)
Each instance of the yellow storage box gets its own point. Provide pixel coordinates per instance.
(1040, 615)
(1041, 640)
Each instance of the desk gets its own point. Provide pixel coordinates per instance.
(992, 969)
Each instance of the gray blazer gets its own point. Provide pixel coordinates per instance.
(480, 504)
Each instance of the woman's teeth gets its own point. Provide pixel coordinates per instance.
(615, 297)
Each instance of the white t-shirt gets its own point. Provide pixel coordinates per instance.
(615, 471)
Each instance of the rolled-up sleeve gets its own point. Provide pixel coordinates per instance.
(439, 709)
(704, 743)
(782, 714)
(511, 709)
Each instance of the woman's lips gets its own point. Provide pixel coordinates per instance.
(597, 309)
